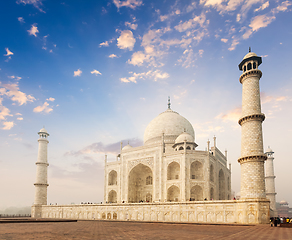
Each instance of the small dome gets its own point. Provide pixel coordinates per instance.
(171, 124)
(283, 202)
(250, 54)
(43, 130)
(184, 137)
(269, 150)
(127, 147)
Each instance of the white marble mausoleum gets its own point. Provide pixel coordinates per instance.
(168, 167)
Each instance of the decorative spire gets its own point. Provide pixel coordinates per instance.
(168, 102)
(249, 49)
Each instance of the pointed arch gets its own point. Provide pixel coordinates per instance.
(173, 171)
(137, 187)
(211, 193)
(211, 173)
(197, 170)
(112, 196)
(196, 193)
(173, 194)
(112, 178)
(221, 185)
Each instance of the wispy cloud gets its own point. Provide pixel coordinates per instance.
(232, 115)
(155, 75)
(127, 3)
(131, 25)
(14, 77)
(99, 147)
(264, 6)
(8, 52)
(21, 19)
(77, 73)
(50, 99)
(4, 112)
(33, 30)
(113, 56)
(11, 90)
(104, 44)
(8, 125)
(36, 3)
(96, 72)
(126, 40)
(43, 108)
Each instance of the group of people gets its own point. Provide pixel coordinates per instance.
(275, 221)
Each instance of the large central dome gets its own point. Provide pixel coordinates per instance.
(171, 124)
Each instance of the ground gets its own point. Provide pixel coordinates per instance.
(138, 230)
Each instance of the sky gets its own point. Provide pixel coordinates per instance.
(95, 73)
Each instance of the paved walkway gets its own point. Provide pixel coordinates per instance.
(136, 230)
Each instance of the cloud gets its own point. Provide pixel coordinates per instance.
(156, 75)
(261, 21)
(131, 25)
(189, 57)
(225, 40)
(11, 90)
(77, 73)
(20, 19)
(283, 7)
(191, 23)
(19, 118)
(264, 6)
(113, 56)
(8, 52)
(126, 40)
(232, 116)
(138, 58)
(8, 125)
(96, 72)
(36, 3)
(14, 77)
(34, 30)
(104, 44)
(44, 108)
(4, 112)
(127, 3)
(99, 147)
(235, 42)
(50, 99)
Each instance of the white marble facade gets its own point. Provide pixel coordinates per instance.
(168, 179)
(168, 167)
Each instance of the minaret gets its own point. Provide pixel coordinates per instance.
(252, 155)
(41, 171)
(270, 182)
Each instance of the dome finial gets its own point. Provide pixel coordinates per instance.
(249, 49)
(168, 102)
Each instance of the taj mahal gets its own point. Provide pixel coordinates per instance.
(168, 167)
(168, 179)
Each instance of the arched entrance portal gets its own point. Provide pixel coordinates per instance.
(173, 194)
(221, 185)
(112, 196)
(197, 193)
(140, 187)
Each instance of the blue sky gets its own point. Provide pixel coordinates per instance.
(96, 74)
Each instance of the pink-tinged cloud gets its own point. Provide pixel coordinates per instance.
(77, 73)
(43, 108)
(33, 30)
(127, 3)
(232, 116)
(8, 125)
